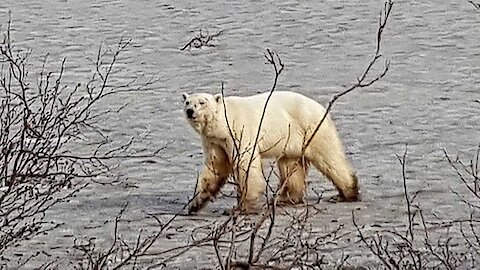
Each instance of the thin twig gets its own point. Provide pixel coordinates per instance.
(402, 161)
(361, 83)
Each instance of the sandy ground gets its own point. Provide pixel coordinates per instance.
(430, 100)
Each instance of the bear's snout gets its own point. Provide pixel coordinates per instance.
(189, 113)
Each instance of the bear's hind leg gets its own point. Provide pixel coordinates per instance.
(335, 166)
(293, 186)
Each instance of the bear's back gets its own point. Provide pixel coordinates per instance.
(281, 101)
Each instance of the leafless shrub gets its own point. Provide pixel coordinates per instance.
(122, 253)
(201, 39)
(119, 254)
(43, 126)
(468, 173)
(413, 247)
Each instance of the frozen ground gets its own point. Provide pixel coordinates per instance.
(430, 100)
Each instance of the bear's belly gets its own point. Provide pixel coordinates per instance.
(278, 145)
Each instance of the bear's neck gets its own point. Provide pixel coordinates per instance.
(215, 127)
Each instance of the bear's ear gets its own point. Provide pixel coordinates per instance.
(184, 96)
(218, 98)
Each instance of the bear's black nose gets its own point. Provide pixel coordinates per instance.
(189, 113)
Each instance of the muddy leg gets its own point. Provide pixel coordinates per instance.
(213, 176)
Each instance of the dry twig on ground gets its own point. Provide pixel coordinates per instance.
(202, 39)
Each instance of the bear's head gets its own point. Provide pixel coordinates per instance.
(201, 110)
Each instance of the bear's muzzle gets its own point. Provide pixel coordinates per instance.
(189, 113)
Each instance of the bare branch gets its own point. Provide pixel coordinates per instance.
(362, 80)
(402, 161)
(201, 40)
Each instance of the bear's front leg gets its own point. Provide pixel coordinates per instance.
(213, 176)
(248, 174)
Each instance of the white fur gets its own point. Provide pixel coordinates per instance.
(289, 121)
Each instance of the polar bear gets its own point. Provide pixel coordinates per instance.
(289, 120)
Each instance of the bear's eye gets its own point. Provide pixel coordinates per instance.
(202, 103)
(187, 103)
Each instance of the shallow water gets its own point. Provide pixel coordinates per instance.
(430, 98)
